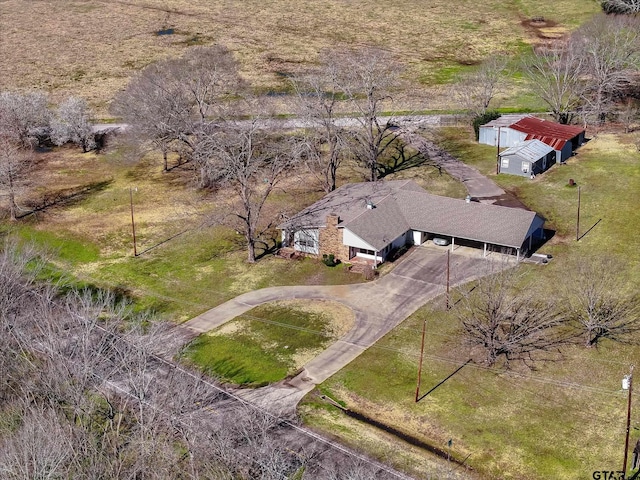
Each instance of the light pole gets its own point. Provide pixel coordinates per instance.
(627, 384)
(498, 153)
(424, 327)
(578, 217)
(133, 223)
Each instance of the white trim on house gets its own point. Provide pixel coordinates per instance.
(419, 237)
(307, 241)
(352, 240)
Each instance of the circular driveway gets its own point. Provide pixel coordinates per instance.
(379, 306)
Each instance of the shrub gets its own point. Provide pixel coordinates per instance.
(479, 120)
(329, 260)
(620, 6)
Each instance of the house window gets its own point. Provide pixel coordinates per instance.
(306, 241)
(505, 163)
(525, 167)
(544, 163)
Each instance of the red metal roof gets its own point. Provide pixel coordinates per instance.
(546, 131)
(553, 142)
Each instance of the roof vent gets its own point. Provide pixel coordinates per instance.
(370, 205)
(468, 199)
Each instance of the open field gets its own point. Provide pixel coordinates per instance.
(188, 260)
(92, 47)
(563, 420)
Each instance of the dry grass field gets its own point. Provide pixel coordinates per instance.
(92, 47)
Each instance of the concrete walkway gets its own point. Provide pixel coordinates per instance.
(379, 306)
(476, 184)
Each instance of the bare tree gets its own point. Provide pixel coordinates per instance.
(172, 101)
(72, 123)
(555, 75)
(248, 161)
(600, 303)
(40, 448)
(156, 107)
(14, 164)
(23, 117)
(500, 323)
(475, 91)
(629, 113)
(323, 144)
(366, 78)
(610, 47)
(621, 6)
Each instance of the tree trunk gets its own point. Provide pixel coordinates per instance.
(251, 248)
(13, 207)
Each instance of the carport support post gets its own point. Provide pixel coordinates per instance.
(484, 250)
(424, 326)
(498, 153)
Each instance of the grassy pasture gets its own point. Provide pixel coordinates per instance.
(269, 342)
(189, 260)
(563, 420)
(92, 47)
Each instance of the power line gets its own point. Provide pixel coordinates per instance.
(242, 401)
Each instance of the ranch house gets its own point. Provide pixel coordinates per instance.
(371, 220)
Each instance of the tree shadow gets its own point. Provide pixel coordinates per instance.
(402, 158)
(269, 247)
(66, 197)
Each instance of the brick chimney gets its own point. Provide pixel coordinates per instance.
(331, 239)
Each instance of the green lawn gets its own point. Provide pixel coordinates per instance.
(264, 345)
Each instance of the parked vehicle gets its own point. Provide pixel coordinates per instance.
(441, 241)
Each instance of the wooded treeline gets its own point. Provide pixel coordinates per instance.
(505, 319)
(83, 395)
(591, 75)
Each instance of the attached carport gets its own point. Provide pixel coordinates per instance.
(478, 225)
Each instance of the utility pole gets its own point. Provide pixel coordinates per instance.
(498, 153)
(424, 327)
(133, 225)
(448, 269)
(629, 379)
(578, 219)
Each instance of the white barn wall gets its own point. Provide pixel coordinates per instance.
(508, 136)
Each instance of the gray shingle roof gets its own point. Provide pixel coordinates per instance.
(348, 201)
(506, 120)
(402, 205)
